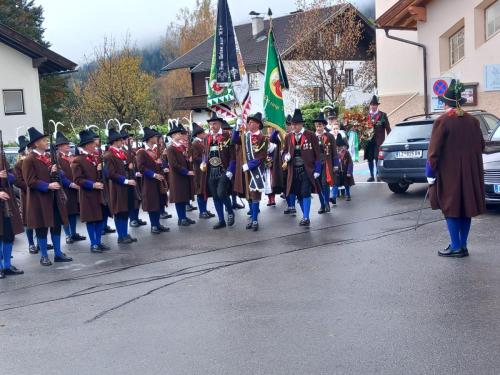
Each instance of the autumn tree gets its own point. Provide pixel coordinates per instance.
(115, 88)
(328, 35)
(191, 28)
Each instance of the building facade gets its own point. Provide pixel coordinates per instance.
(22, 61)
(462, 40)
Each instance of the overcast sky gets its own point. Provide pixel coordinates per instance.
(76, 27)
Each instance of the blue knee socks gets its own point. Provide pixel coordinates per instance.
(42, 243)
(121, 227)
(321, 199)
(181, 210)
(291, 200)
(255, 210)
(219, 208)
(72, 224)
(56, 241)
(91, 230)
(6, 253)
(154, 218)
(202, 203)
(326, 194)
(233, 199)
(454, 230)
(465, 224)
(229, 205)
(306, 204)
(347, 190)
(134, 214)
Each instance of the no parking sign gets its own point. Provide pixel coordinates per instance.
(439, 87)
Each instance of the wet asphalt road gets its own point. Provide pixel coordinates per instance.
(359, 293)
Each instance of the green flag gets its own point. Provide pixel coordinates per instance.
(275, 82)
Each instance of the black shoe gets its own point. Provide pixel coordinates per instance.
(45, 261)
(255, 226)
(288, 211)
(69, 240)
(249, 213)
(305, 223)
(230, 220)
(33, 249)
(466, 252)
(142, 222)
(63, 258)
(220, 225)
(77, 237)
(2, 275)
(249, 225)
(108, 230)
(371, 179)
(132, 238)
(448, 253)
(205, 215)
(165, 215)
(155, 230)
(12, 271)
(293, 211)
(49, 247)
(327, 208)
(238, 206)
(104, 247)
(210, 214)
(283, 196)
(378, 179)
(190, 208)
(321, 210)
(96, 249)
(134, 224)
(183, 223)
(125, 240)
(163, 228)
(348, 199)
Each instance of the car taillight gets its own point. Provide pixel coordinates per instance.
(381, 155)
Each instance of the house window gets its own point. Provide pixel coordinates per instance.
(13, 102)
(254, 81)
(457, 46)
(207, 84)
(318, 94)
(492, 15)
(349, 77)
(337, 39)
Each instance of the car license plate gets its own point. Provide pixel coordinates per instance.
(497, 189)
(414, 154)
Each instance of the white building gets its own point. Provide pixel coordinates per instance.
(21, 62)
(462, 41)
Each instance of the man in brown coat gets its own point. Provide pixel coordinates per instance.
(85, 168)
(197, 151)
(10, 221)
(121, 188)
(455, 170)
(149, 164)
(304, 164)
(180, 177)
(70, 188)
(329, 162)
(45, 209)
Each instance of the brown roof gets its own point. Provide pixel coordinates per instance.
(404, 15)
(44, 59)
(254, 49)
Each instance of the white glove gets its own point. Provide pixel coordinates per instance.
(229, 175)
(288, 157)
(245, 167)
(431, 180)
(316, 175)
(138, 174)
(271, 148)
(239, 122)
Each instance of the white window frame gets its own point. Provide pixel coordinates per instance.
(349, 77)
(254, 81)
(14, 113)
(318, 94)
(454, 42)
(496, 21)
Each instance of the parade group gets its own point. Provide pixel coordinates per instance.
(225, 163)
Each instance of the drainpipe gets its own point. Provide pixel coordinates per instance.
(424, 51)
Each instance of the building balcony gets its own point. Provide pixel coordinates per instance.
(189, 103)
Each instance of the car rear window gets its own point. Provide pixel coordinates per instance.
(410, 133)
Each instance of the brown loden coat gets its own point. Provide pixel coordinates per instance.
(310, 153)
(21, 184)
(181, 185)
(456, 156)
(15, 219)
(197, 151)
(239, 175)
(277, 181)
(71, 194)
(150, 190)
(118, 192)
(330, 154)
(40, 205)
(91, 200)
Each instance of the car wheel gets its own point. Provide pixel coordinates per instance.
(399, 187)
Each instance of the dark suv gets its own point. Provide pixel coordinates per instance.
(403, 155)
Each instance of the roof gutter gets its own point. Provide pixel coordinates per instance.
(424, 52)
